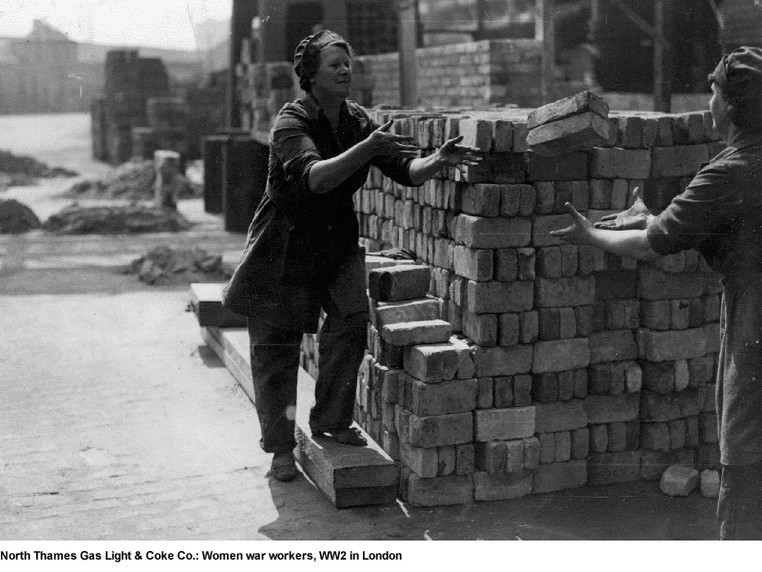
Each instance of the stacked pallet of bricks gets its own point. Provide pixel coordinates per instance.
(166, 117)
(587, 368)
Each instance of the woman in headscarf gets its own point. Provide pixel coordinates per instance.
(720, 215)
(302, 251)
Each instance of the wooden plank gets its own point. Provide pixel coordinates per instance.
(347, 475)
(205, 301)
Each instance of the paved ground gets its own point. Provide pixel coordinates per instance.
(116, 422)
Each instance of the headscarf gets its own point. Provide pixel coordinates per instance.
(307, 54)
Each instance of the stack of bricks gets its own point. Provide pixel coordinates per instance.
(166, 118)
(588, 368)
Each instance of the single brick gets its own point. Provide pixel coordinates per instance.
(616, 163)
(545, 387)
(599, 438)
(446, 461)
(421, 332)
(508, 329)
(612, 345)
(654, 284)
(522, 390)
(566, 381)
(576, 133)
(501, 361)
(431, 363)
(480, 328)
(497, 232)
(384, 313)
(402, 282)
(571, 291)
(560, 416)
(423, 462)
(612, 408)
(464, 459)
(548, 262)
(547, 447)
(621, 314)
(672, 345)
(617, 436)
(506, 264)
(466, 368)
(504, 424)
(563, 447)
(560, 355)
(550, 323)
(710, 484)
(526, 263)
(679, 480)
(569, 106)
(517, 200)
(503, 391)
(485, 392)
(481, 199)
(474, 264)
(570, 167)
(499, 297)
(532, 452)
(435, 431)
(580, 443)
(529, 327)
(677, 433)
(454, 396)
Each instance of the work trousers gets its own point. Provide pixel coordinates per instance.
(275, 366)
(739, 509)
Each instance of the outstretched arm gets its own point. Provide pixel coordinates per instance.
(624, 243)
(328, 174)
(449, 154)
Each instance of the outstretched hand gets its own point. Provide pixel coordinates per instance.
(458, 156)
(383, 142)
(636, 217)
(580, 231)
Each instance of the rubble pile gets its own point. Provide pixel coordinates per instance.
(164, 265)
(22, 168)
(133, 181)
(130, 219)
(16, 217)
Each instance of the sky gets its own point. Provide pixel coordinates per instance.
(156, 23)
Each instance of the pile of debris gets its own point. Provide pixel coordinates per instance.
(16, 217)
(128, 219)
(22, 170)
(164, 265)
(132, 181)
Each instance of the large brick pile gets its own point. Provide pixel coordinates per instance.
(529, 365)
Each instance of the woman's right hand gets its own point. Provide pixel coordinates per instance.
(635, 217)
(382, 142)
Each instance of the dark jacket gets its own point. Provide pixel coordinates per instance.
(298, 239)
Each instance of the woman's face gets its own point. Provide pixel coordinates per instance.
(333, 78)
(720, 115)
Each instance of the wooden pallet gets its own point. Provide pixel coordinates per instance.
(348, 476)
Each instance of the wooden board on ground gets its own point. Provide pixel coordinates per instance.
(205, 300)
(347, 475)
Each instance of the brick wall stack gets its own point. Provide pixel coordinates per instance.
(587, 368)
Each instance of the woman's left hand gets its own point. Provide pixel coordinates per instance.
(581, 230)
(458, 156)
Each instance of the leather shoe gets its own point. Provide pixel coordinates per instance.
(283, 467)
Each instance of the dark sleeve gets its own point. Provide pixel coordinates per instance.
(294, 147)
(709, 203)
(396, 168)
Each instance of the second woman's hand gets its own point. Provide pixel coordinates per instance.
(579, 232)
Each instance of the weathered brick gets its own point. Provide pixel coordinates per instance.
(402, 282)
(529, 327)
(466, 367)
(506, 264)
(435, 431)
(599, 438)
(497, 232)
(559, 476)
(481, 328)
(610, 468)
(550, 323)
(549, 262)
(655, 407)
(492, 487)
(446, 462)
(569, 106)
(501, 361)
(672, 345)
(573, 166)
(560, 416)
(566, 382)
(409, 311)
(617, 436)
(508, 329)
(655, 314)
(464, 459)
(580, 443)
(547, 447)
(621, 314)
(431, 363)
(498, 297)
(679, 480)
(517, 200)
(560, 355)
(481, 199)
(503, 391)
(612, 408)
(566, 292)
(454, 396)
(677, 433)
(568, 259)
(419, 332)
(545, 387)
(504, 424)
(439, 491)
(474, 264)
(612, 345)
(422, 461)
(575, 133)
(563, 447)
(522, 390)
(659, 377)
(616, 163)
(526, 263)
